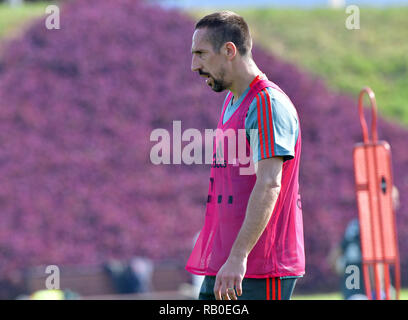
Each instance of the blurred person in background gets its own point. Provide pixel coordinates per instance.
(251, 244)
(134, 276)
(349, 254)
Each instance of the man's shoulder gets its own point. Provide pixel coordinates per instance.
(273, 99)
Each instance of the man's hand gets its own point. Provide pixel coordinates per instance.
(229, 278)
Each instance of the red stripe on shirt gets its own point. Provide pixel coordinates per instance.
(270, 122)
(259, 124)
(268, 296)
(257, 78)
(265, 126)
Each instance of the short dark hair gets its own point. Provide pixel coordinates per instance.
(227, 26)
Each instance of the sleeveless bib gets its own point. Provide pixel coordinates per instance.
(279, 251)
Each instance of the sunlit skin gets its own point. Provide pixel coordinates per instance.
(209, 64)
(224, 70)
(228, 70)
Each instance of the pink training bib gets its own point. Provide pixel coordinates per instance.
(279, 251)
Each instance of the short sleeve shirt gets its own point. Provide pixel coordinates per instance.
(274, 117)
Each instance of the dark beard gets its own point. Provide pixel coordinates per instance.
(218, 86)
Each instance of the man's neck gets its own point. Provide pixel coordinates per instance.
(247, 71)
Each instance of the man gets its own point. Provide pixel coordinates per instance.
(251, 244)
(348, 253)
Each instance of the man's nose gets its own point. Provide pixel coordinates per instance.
(195, 66)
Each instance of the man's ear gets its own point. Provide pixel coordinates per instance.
(230, 50)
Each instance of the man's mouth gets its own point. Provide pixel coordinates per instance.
(209, 80)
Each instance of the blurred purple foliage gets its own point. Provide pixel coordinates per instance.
(77, 106)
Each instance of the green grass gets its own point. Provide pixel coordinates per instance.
(320, 296)
(336, 296)
(13, 19)
(317, 40)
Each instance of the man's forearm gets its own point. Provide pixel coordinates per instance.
(259, 210)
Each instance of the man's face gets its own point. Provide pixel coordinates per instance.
(207, 63)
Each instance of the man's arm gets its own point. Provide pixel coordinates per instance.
(259, 210)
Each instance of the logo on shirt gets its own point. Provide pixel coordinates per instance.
(218, 158)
